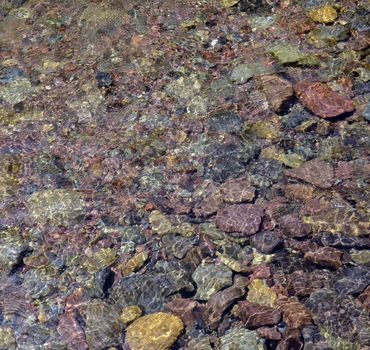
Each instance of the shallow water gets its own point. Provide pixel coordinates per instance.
(184, 175)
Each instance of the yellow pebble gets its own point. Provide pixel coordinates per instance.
(130, 313)
(157, 331)
(324, 14)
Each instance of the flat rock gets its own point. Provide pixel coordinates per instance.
(58, 206)
(299, 192)
(315, 172)
(103, 324)
(287, 53)
(210, 278)
(245, 71)
(229, 3)
(151, 291)
(343, 220)
(243, 218)
(237, 191)
(295, 314)
(279, 92)
(326, 257)
(260, 293)
(189, 310)
(255, 315)
(302, 283)
(342, 316)
(177, 245)
(352, 280)
(220, 301)
(160, 223)
(158, 331)
(233, 264)
(266, 129)
(292, 226)
(361, 257)
(320, 99)
(134, 263)
(266, 241)
(323, 14)
(16, 90)
(241, 339)
(342, 240)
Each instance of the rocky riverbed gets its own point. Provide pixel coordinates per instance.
(184, 175)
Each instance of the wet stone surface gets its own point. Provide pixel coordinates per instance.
(210, 279)
(184, 175)
(243, 218)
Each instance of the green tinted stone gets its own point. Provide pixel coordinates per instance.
(259, 292)
(57, 206)
(329, 36)
(287, 53)
(243, 72)
(241, 339)
(360, 256)
(16, 91)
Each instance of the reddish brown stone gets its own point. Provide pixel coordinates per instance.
(210, 204)
(243, 218)
(273, 211)
(364, 298)
(326, 257)
(255, 315)
(295, 315)
(260, 271)
(316, 206)
(71, 332)
(266, 241)
(237, 191)
(302, 246)
(321, 100)
(292, 226)
(270, 333)
(344, 170)
(180, 205)
(299, 192)
(279, 92)
(301, 283)
(315, 172)
(189, 310)
(220, 301)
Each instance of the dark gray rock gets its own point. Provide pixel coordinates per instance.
(225, 122)
(266, 241)
(352, 280)
(104, 79)
(150, 291)
(340, 315)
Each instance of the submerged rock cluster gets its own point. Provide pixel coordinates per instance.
(185, 175)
